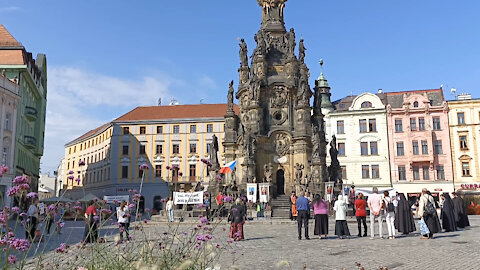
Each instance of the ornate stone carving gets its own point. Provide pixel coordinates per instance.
(213, 154)
(291, 43)
(279, 117)
(243, 53)
(282, 144)
(272, 10)
(301, 51)
(279, 97)
(268, 171)
(299, 172)
(334, 169)
(316, 142)
(230, 97)
(304, 93)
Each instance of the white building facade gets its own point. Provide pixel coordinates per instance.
(360, 126)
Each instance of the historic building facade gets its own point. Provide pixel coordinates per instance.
(9, 91)
(275, 133)
(464, 119)
(31, 76)
(360, 126)
(419, 141)
(171, 140)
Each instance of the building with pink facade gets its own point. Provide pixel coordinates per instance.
(419, 142)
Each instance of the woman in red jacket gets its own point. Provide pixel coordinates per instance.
(361, 214)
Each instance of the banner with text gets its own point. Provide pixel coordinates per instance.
(264, 192)
(117, 198)
(252, 192)
(188, 197)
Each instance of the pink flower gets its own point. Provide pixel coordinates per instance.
(81, 163)
(227, 199)
(51, 207)
(32, 195)
(71, 172)
(13, 191)
(12, 259)
(62, 248)
(15, 210)
(115, 201)
(131, 206)
(147, 210)
(21, 179)
(19, 244)
(82, 268)
(144, 167)
(71, 177)
(78, 180)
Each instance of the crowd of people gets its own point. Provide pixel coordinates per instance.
(395, 210)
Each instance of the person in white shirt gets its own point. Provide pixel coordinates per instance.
(389, 208)
(375, 205)
(31, 224)
(169, 208)
(122, 217)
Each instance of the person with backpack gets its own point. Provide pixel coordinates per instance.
(389, 214)
(428, 214)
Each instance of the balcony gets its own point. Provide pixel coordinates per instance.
(31, 113)
(30, 142)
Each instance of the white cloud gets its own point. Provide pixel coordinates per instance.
(79, 101)
(9, 9)
(207, 82)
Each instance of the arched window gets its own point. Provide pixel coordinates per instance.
(367, 104)
(415, 104)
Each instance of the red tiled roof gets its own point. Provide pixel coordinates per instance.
(413, 91)
(11, 57)
(6, 39)
(176, 112)
(88, 134)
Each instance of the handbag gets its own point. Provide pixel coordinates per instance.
(423, 227)
(430, 209)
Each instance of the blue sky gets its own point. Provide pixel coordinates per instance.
(106, 57)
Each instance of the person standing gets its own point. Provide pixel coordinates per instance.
(303, 207)
(91, 234)
(341, 227)
(237, 219)
(351, 198)
(31, 224)
(293, 200)
(389, 211)
(403, 216)
(320, 212)
(448, 214)
(219, 200)
(50, 215)
(361, 214)
(122, 218)
(375, 205)
(460, 211)
(169, 208)
(207, 206)
(428, 214)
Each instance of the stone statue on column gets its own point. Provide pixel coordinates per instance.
(230, 97)
(243, 53)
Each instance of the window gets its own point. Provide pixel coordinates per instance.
(421, 123)
(193, 128)
(341, 149)
(81, 147)
(158, 170)
(176, 149)
(424, 148)
(398, 125)
(375, 171)
(344, 172)
(363, 125)
(373, 148)
(209, 145)
(436, 123)
(426, 174)
(413, 124)
(209, 128)
(365, 171)
(143, 130)
(176, 129)
(402, 174)
(7, 121)
(372, 125)
(193, 148)
(437, 147)
(461, 118)
(141, 150)
(126, 130)
(124, 171)
(193, 171)
(440, 172)
(415, 104)
(125, 150)
(340, 127)
(416, 173)
(159, 129)
(366, 104)
(400, 149)
(463, 142)
(364, 149)
(415, 147)
(159, 149)
(466, 168)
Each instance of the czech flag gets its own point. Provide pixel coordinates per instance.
(228, 168)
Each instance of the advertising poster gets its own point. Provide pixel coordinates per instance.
(264, 192)
(252, 192)
(188, 197)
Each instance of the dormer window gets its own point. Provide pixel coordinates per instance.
(366, 104)
(415, 104)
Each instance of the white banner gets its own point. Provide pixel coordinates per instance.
(188, 197)
(368, 191)
(118, 198)
(252, 192)
(264, 192)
